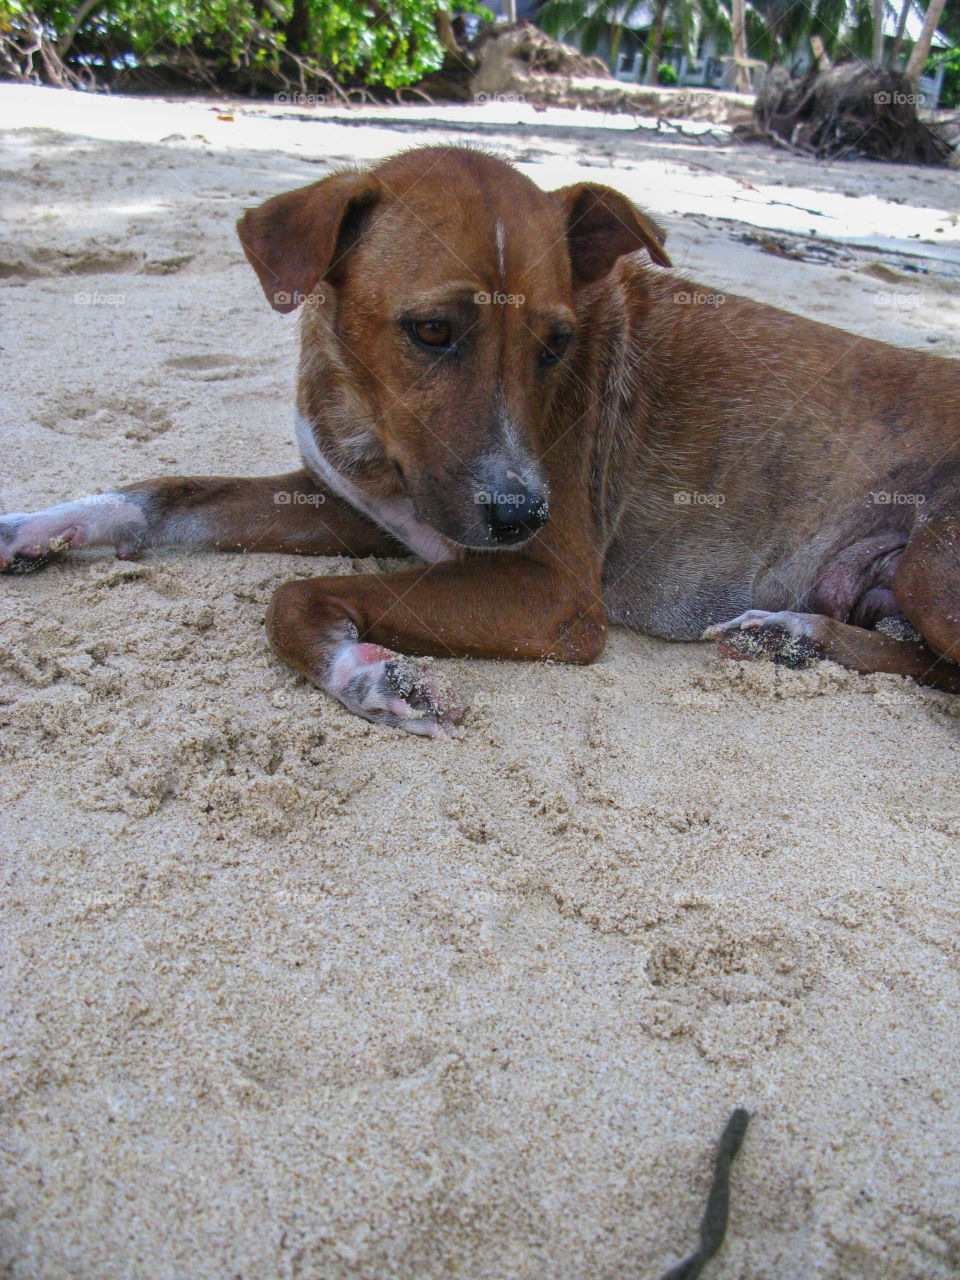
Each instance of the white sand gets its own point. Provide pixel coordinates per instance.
(285, 994)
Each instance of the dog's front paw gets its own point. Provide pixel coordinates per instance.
(390, 688)
(789, 639)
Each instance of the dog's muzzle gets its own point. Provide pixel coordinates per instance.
(514, 508)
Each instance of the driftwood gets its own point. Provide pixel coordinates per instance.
(849, 110)
(521, 47)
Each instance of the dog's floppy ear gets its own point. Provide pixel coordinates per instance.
(602, 225)
(302, 236)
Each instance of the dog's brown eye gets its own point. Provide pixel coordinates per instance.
(555, 348)
(433, 333)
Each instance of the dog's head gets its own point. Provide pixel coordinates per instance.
(439, 291)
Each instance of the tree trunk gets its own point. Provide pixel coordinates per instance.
(921, 50)
(877, 10)
(297, 30)
(76, 21)
(656, 42)
(897, 49)
(742, 81)
(445, 34)
(773, 32)
(616, 32)
(823, 62)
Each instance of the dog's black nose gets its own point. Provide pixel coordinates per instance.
(514, 512)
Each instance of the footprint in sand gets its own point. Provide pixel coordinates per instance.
(207, 368)
(81, 412)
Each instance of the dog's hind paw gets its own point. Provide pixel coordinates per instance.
(392, 689)
(789, 639)
(31, 540)
(19, 553)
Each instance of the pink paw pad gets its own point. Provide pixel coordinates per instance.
(390, 688)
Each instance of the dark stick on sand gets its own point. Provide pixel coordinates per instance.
(714, 1223)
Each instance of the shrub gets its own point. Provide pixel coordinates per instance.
(233, 44)
(950, 93)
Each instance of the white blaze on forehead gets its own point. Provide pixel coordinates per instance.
(500, 241)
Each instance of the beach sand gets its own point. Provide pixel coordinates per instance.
(288, 995)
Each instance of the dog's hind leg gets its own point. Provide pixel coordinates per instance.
(927, 579)
(923, 591)
(290, 513)
(798, 639)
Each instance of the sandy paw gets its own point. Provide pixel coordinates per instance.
(28, 544)
(30, 541)
(789, 639)
(390, 688)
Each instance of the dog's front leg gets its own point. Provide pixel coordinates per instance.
(354, 636)
(289, 513)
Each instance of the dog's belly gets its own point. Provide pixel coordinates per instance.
(677, 590)
(672, 596)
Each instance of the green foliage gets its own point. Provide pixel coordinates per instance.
(826, 21)
(393, 44)
(590, 20)
(356, 41)
(144, 26)
(859, 38)
(949, 22)
(950, 94)
(666, 74)
(776, 30)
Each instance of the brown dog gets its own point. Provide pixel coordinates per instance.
(495, 378)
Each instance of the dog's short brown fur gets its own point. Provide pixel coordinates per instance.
(497, 379)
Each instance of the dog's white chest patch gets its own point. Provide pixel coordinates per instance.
(396, 515)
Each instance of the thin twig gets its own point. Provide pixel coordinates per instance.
(714, 1223)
